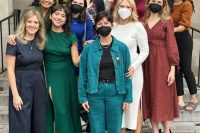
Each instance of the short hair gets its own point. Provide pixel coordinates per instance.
(102, 15)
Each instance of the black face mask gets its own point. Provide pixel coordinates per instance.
(76, 8)
(103, 30)
(155, 8)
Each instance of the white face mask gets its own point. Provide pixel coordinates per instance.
(124, 13)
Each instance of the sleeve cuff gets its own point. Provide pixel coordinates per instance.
(82, 100)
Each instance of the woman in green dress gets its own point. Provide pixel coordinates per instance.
(60, 56)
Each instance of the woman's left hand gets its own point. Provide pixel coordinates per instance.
(171, 78)
(125, 106)
(130, 72)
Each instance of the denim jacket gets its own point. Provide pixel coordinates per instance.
(90, 65)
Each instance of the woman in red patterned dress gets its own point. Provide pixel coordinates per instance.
(159, 94)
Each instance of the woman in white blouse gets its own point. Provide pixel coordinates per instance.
(130, 31)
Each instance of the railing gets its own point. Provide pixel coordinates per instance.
(194, 30)
(15, 17)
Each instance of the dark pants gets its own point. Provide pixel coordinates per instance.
(185, 46)
(32, 117)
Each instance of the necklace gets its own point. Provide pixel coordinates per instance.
(105, 46)
(30, 42)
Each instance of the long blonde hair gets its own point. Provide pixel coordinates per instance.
(21, 30)
(134, 16)
(164, 14)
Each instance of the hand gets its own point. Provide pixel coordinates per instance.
(125, 106)
(92, 19)
(86, 106)
(171, 77)
(11, 40)
(17, 102)
(130, 72)
(87, 42)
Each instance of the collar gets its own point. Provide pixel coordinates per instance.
(97, 45)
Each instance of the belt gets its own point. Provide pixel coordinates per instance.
(106, 80)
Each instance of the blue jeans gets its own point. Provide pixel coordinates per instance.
(105, 109)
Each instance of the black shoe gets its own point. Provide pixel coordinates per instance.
(161, 132)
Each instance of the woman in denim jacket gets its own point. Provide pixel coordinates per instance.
(105, 87)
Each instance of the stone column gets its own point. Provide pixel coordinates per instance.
(196, 40)
(21, 4)
(6, 7)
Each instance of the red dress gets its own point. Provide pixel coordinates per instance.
(160, 101)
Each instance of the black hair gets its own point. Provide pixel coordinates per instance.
(66, 26)
(102, 15)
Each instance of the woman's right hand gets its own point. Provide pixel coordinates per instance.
(17, 102)
(11, 40)
(86, 106)
(125, 106)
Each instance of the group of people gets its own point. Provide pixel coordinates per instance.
(128, 69)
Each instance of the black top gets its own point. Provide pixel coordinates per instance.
(28, 56)
(107, 69)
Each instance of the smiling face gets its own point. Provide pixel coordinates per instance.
(32, 25)
(58, 18)
(47, 3)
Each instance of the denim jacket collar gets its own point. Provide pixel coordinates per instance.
(98, 47)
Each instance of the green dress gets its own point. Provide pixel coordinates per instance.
(63, 110)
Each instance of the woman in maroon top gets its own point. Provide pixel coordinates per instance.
(160, 102)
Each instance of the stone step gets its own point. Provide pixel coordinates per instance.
(177, 127)
(3, 128)
(189, 116)
(4, 98)
(3, 82)
(185, 127)
(180, 127)
(3, 114)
